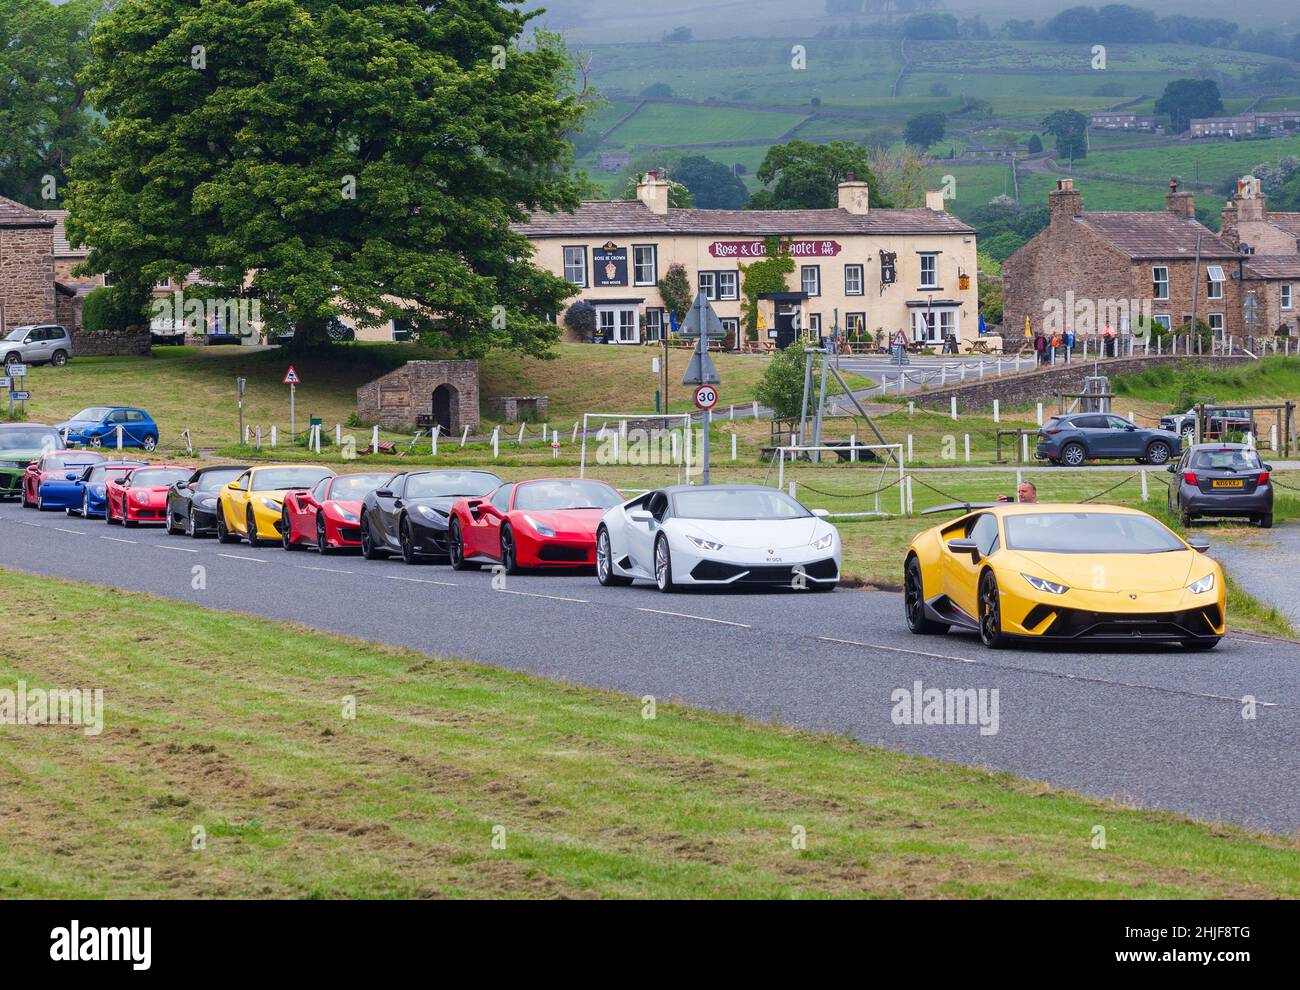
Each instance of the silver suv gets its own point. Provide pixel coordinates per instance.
(37, 343)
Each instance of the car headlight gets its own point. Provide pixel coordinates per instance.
(98, 490)
(824, 543)
(430, 513)
(541, 530)
(1203, 585)
(347, 516)
(142, 498)
(206, 502)
(271, 504)
(704, 544)
(1041, 584)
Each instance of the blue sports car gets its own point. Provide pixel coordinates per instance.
(97, 426)
(52, 481)
(92, 503)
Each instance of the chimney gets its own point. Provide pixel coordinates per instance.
(1063, 202)
(934, 200)
(653, 192)
(1248, 200)
(853, 195)
(1181, 203)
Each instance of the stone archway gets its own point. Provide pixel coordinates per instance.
(445, 406)
(420, 394)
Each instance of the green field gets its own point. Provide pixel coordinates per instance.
(1205, 161)
(667, 123)
(227, 767)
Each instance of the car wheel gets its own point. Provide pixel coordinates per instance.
(172, 528)
(322, 543)
(59, 359)
(40, 502)
(990, 608)
(108, 510)
(1201, 644)
(250, 529)
(1158, 452)
(664, 566)
(456, 549)
(13, 357)
(914, 602)
(85, 505)
(286, 538)
(1266, 520)
(509, 553)
(191, 527)
(409, 556)
(1189, 436)
(97, 441)
(27, 503)
(150, 442)
(368, 548)
(128, 523)
(1185, 518)
(1073, 454)
(224, 535)
(605, 562)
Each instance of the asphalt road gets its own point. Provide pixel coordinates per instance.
(1156, 727)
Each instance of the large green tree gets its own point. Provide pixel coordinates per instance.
(925, 129)
(713, 185)
(1184, 99)
(1069, 127)
(44, 119)
(358, 157)
(801, 175)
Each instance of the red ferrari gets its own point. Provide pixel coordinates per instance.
(545, 523)
(328, 516)
(140, 495)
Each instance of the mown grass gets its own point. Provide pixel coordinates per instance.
(231, 729)
(1274, 378)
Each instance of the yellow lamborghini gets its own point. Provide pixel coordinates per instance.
(252, 506)
(1056, 573)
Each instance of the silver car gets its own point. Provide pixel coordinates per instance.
(37, 343)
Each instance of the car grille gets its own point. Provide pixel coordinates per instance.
(350, 533)
(1074, 623)
(713, 570)
(558, 554)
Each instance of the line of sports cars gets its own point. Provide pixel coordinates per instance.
(1005, 572)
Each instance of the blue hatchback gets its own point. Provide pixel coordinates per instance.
(96, 426)
(92, 501)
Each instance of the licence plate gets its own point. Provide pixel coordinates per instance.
(1227, 483)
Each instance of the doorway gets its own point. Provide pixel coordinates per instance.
(444, 408)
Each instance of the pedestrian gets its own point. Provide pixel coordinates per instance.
(1056, 345)
(1109, 335)
(1026, 494)
(1069, 344)
(1040, 347)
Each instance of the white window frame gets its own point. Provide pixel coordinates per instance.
(708, 284)
(816, 271)
(1163, 319)
(1215, 321)
(930, 260)
(637, 264)
(1287, 295)
(1214, 283)
(860, 271)
(654, 324)
(728, 284)
(1157, 282)
(619, 323)
(568, 265)
(948, 316)
(815, 324)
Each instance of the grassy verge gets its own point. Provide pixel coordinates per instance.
(233, 725)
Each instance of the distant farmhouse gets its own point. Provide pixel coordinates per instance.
(1246, 124)
(1122, 120)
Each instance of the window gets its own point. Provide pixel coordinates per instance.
(947, 323)
(814, 324)
(1286, 295)
(1161, 320)
(853, 280)
(810, 277)
(575, 265)
(709, 285)
(627, 327)
(1214, 275)
(731, 325)
(618, 324)
(645, 264)
(924, 326)
(654, 324)
(501, 498)
(985, 534)
(728, 285)
(855, 323)
(605, 323)
(1160, 282)
(1216, 324)
(930, 271)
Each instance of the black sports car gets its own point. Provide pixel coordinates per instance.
(409, 516)
(192, 504)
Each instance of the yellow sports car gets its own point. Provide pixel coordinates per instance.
(252, 506)
(1056, 573)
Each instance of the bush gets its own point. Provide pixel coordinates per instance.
(106, 309)
(580, 318)
(781, 386)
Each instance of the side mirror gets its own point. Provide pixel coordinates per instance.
(1268, 467)
(383, 493)
(821, 513)
(964, 546)
(71, 476)
(1199, 543)
(640, 516)
(234, 486)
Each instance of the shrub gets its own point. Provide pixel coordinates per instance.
(580, 318)
(781, 386)
(106, 308)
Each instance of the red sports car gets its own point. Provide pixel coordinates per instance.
(53, 470)
(328, 516)
(140, 495)
(545, 523)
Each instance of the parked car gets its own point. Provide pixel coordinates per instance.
(411, 514)
(328, 516)
(93, 485)
(37, 343)
(252, 506)
(96, 426)
(1222, 479)
(1078, 437)
(545, 523)
(51, 482)
(20, 445)
(719, 535)
(140, 495)
(1219, 423)
(192, 503)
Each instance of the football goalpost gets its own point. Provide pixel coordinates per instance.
(639, 440)
(853, 450)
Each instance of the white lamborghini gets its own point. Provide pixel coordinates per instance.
(717, 535)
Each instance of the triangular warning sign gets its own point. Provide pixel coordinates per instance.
(291, 376)
(701, 371)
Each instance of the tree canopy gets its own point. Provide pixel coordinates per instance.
(711, 184)
(925, 129)
(1068, 127)
(801, 175)
(364, 158)
(1184, 99)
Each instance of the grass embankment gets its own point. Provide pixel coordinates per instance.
(234, 725)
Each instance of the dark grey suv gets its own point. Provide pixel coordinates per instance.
(1221, 479)
(1078, 437)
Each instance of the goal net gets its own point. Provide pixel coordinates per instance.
(637, 440)
(860, 479)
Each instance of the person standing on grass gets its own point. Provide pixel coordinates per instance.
(1026, 494)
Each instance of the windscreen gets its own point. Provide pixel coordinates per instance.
(1088, 532)
(158, 477)
(737, 503)
(282, 479)
(34, 438)
(542, 495)
(445, 484)
(92, 415)
(354, 487)
(1226, 460)
(214, 481)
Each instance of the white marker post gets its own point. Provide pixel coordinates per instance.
(374, 440)
(967, 443)
(1040, 414)
(1024, 446)
(1144, 484)
(733, 446)
(909, 448)
(997, 414)
(496, 432)
(954, 408)
(555, 445)
(464, 435)
(338, 434)
(274, 436)
(259, 438)
(119, 440)
(433, 440)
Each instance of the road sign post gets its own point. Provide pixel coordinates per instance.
(239, 387)
(702, 322)
(291, 379)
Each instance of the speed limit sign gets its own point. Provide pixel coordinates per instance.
(706, 397)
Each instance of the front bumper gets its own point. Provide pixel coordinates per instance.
(1127, 617)
(562, 550)
(11, 479)
(430, 539)
(154, 512)
(744, 566)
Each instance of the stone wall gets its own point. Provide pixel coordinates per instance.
(27, 274)
(517, 408)
(131, 343)
(1043, 384)
(400, 398)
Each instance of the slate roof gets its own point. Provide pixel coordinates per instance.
(1272, 265)
(1289, 222)
(601, 217)
(62, 249)
(1159, 235)
(16, 215)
